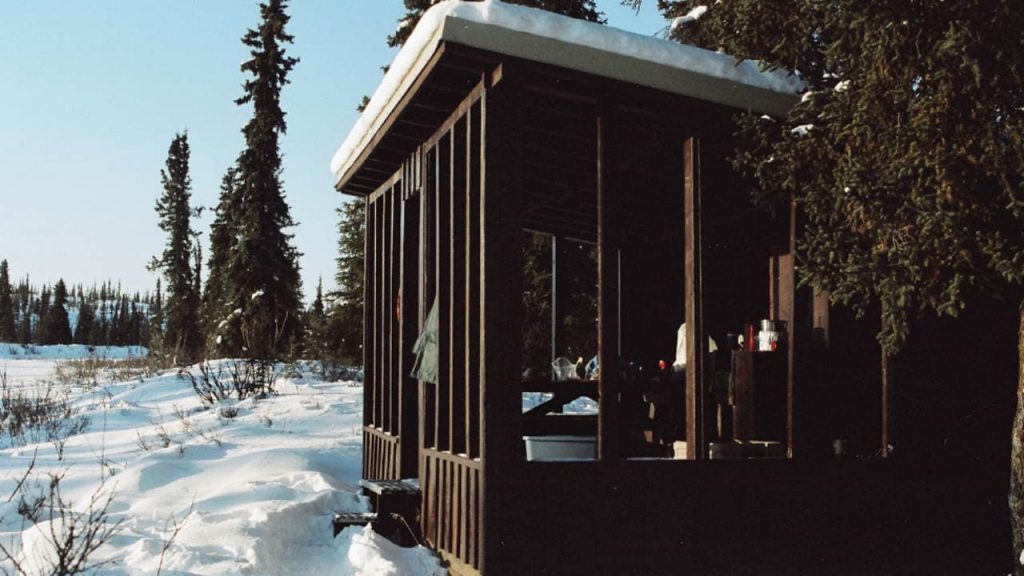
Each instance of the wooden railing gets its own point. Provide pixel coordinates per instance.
(380, 454)
(451, 505)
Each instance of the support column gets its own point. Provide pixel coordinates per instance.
(699, 416)
(608, 446)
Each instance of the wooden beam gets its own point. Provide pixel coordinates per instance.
(888, 399)
(443, 245)
(368, 244)
(608, 445)
(393, 117)
(500, 299)
(698, 417)
(457, 310)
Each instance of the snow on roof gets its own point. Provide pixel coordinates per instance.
(549, 38)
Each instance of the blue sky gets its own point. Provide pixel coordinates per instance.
(93, 92)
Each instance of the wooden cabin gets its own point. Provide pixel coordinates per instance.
(539, 188)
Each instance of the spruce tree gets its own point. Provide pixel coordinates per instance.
(316, 327)
(86, 320)
(345, 316)
(182, 339)
(8, 331)
(56, 329)
(24, 312)
(262, 275)
(156, 312)
(905, 155)
(40, 333)
(222, 237)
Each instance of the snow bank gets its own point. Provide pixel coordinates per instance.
(251, 494)
(69, 351)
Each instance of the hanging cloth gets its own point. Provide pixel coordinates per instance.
(425, 349)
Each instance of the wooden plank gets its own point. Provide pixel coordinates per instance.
(457, 287)
(443, 279)
(409, 322)
(608, 289)
(460, 111)
(888, 400)
(422, 295)
(787, 312)
(463, 513)
(367, 299)
(696, 412)
(474, 152)
(381, 306)
(472, 528)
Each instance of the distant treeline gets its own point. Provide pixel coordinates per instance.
(103, 315)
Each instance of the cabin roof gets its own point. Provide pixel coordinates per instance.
(540, 36)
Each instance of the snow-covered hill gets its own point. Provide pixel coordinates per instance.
(250, 489)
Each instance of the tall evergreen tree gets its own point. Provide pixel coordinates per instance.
(905, 155)
(316, 326)
(56, 326)
(86, 320)
(40, 333)
(222, 241)
(24, 320)
(262, 271)
(156, 311)
(7, 329)
(181, 337)
(345, 326)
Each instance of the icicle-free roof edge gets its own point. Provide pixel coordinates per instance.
(537, 35)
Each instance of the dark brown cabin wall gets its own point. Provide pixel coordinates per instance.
(665, 517)
(382, 386)
(450, 478)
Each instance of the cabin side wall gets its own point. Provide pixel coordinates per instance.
(720, 517)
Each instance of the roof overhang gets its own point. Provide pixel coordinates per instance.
(540, 36)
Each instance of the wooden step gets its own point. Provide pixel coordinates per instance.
(407, 486)
(343, 520)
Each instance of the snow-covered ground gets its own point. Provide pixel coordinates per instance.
(200, 490)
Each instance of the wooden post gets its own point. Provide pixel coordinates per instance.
(786, 312)
(888, 396)
(608, 448)
(698, 416)
(500, 299)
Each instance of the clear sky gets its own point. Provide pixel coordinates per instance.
(91, 94)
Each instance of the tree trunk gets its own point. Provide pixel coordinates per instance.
(1017, 459)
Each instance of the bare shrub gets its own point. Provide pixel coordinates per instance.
(37, 413)
(71, 536)
(245, 378)
(88, 371)
(334, 372)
